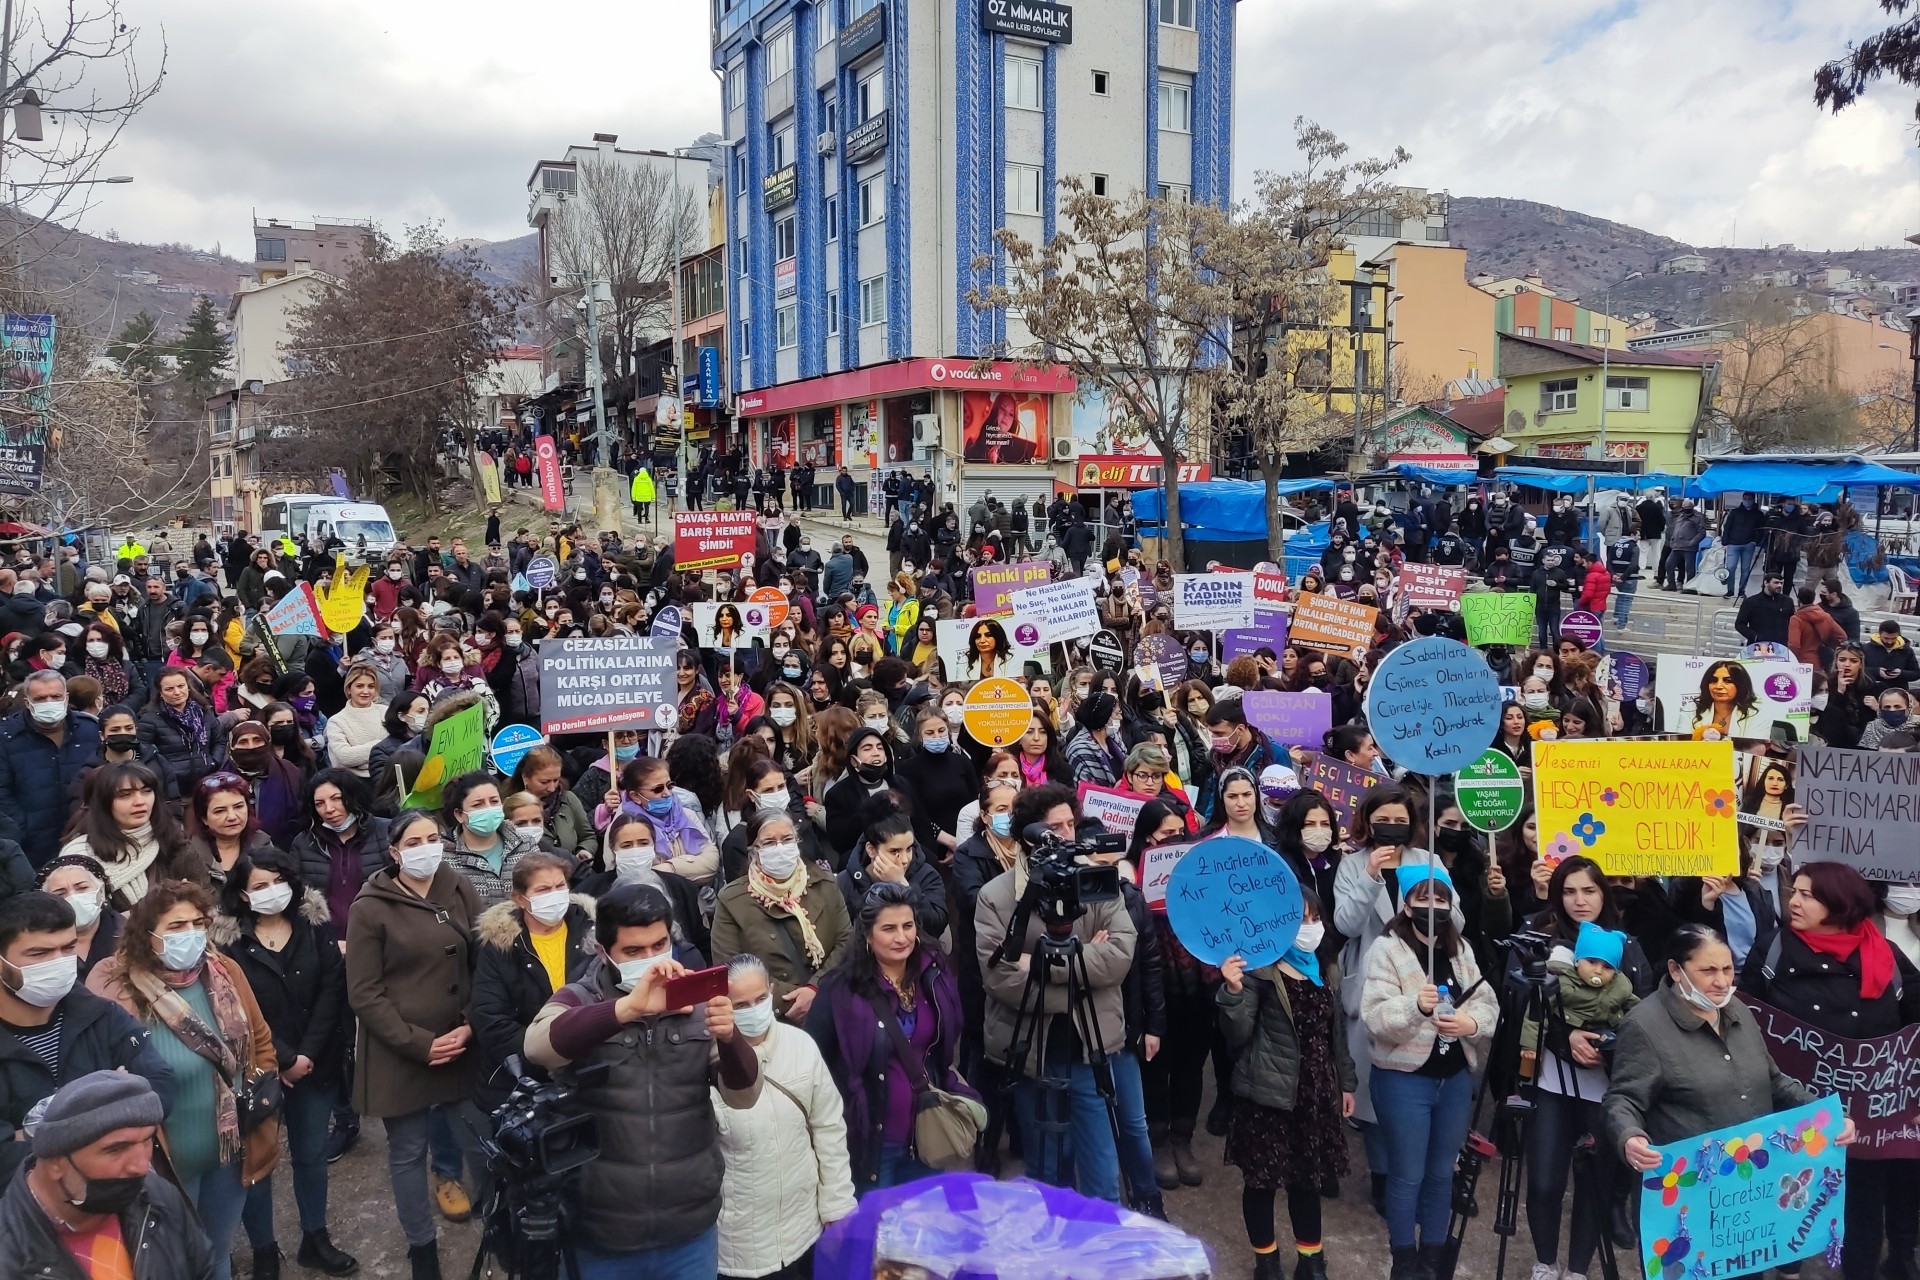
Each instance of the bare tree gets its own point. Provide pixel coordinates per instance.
(389, 359)
(627, 225)
(1776, 385)
(1121, 297)
(1271, 258)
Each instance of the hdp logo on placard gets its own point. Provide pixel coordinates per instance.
(1026, 635)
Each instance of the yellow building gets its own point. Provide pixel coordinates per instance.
(1555, 392)
(1441, 326)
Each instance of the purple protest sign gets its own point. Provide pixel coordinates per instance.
(1583, 625)
(1269, 631)
(993, 583)
(1631, 671)
(1166, 655)
(1290, 719)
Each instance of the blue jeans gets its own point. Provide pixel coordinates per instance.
(304, 1118)
(1130, 1102)
(1425, 1122)
(1740, 562)
(445, 1144)
(897, 1166)
(697, 1259)
(1623, 600)
(1065, 1134)
(219, 1199)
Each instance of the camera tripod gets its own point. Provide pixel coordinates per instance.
(524, 1223)
(1512, 1120)
(1058, 946)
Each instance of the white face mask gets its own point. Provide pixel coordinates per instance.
(86, 907)
(50, 712)
(1534, 702)
(1700, 999)
(754, 1020)
(770, 801)
(1316, 839)
(954, 712)
(417, 723)
(1903, 899)
(46, 984)
(270, 901)
(633, 864)
(422, 860)
(532, 832)
(452, 666)
(383, 646)
(777, 861)
(879, 724)
(549, 907)
(1819, 702)
(96, 648)
(1771, 856)
(631, 971)
(1312, 934)
(782, 716)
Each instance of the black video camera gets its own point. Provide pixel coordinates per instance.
(1059, 885)
(540, 1131)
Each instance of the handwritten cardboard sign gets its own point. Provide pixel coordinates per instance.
(1739, 1200)
(1290, 719)
(1112, 808)
(1433, 705)
(1498, 617)
(1341, 785)
(1863, 808)
(1639, 808)
(1156, 869)
(1234, 897)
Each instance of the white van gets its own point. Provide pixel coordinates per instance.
(316, 517)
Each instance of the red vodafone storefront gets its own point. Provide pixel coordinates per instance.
(991, 427)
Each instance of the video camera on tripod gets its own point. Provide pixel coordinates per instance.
(541, 1135)
(1060, 886)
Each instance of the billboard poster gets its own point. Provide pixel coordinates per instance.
(26, 372)
(999, 426)
(552, 494)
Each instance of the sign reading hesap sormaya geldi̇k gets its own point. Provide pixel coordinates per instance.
(1639, 808)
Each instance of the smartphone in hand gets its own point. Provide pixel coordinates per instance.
(697, 987)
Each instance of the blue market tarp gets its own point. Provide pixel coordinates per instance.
(1436, 476)
(1865, 564)
(1579, 481)
(1219, 510)
(1799, 479)
(1305, 547)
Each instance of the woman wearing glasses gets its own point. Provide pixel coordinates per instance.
(221, 829)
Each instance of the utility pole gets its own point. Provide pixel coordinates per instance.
(603, 443)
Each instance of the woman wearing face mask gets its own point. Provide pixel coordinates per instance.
(290, 740)
(180, 724)
(787, 1173)
(1543, 718)
(1366, 896)
(277, 784)
(542, 774)
(526, 949)
(628, 856)
(403, 720)
(891, 968)
(785, 910)
(1293, 1085)
(1670, 1083)
(870, 770)
(484, 847)
(221, 830)
(120, 744)
(888, 853)
(281, 935)
(342, 842)
(132, 834)
(1832, 967)
(199, 649)
(203, 1019)
(388, 663)
(357, 728)
(596, 780)
(794, 745)
(82, 881)
(106, 661)
(1307, 834)
(941, 778)
(1425, 1039)
(409, 980)
(1894, 715)
(766, 788)
(686, 843)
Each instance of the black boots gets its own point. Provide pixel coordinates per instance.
(1430, 1261)
(1266, 1266)
(1406, 1263)
(1165, 1172)
(266, 1263)
(1310, 1266)
(1186, 1165)
(425, 1261)
(318, 1254)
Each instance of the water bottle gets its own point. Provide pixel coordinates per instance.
(1444, 1009)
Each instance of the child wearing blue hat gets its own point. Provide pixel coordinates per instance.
(1594, 994)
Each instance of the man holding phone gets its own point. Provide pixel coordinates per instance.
(650, 1204)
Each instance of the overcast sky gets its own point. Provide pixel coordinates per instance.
(1684, 117)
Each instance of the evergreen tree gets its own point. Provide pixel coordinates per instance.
(202, 353)
(138, 350)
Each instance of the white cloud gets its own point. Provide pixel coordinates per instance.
(1681, 116)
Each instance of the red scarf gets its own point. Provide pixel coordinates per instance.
(1876, 957)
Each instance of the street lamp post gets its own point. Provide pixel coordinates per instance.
(1606, 352)
(1473, 370)
(1913, 351)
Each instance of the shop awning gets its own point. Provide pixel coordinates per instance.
(1580, 481)
(1221, 510)
(1800, 477)
(1439, 477)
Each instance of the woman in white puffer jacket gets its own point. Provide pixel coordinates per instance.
(787, 1172)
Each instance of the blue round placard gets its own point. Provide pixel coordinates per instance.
(1231, 896)
(1433, 705)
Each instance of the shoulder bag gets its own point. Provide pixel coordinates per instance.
(946, 1126)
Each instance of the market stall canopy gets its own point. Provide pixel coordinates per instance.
(1439, 477)
(1580, 481)
(1800, 475)
(1223, 510)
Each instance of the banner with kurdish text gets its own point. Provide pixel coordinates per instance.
(1639, 808)
(1878, 1078)
(1739, 1200)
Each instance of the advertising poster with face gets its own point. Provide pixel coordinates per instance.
(1002, 427)
(975, 648)
(1708, 699)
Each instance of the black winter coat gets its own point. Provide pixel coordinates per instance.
(316, 865)
(301, 989)
(1826, 992)
(35, 773)
(509, 986)
(191, 758)
(96, 1035)
(161, 1230)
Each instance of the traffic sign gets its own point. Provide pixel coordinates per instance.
(511, 744)
(1489, 792)
(542, 572)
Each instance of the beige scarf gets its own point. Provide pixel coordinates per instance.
(128, 879)
(790, 896)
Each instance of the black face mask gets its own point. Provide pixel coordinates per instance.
(283, 735)
(123, 742)
(1456, 840)
(110, 1195)
(1396, 833)
(870, 773)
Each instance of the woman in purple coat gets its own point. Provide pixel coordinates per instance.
(889, 975)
